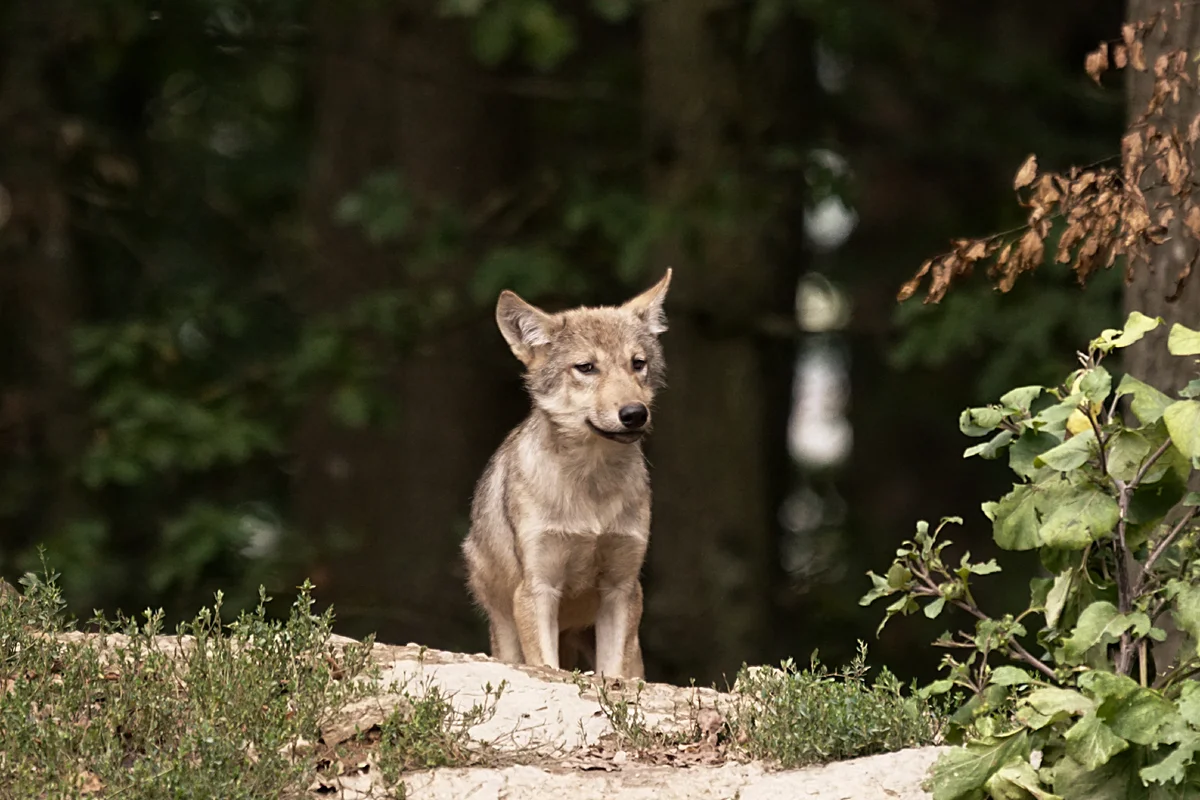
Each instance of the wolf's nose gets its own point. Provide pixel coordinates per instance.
(633, 415)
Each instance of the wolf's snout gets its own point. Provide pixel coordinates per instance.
(633, 416)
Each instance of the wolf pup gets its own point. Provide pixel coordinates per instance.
(560, 519)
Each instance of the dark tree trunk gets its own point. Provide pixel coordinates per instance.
(40, 413)
(1151, 289)
(1154, 284)
(720, 438)
(397, 88)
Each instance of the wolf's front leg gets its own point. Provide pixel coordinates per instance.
(536, 610)
(617, 620)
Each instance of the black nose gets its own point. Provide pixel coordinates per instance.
(633, 416)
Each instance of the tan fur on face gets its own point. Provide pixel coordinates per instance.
(561, 517)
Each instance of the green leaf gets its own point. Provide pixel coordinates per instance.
(1071, 454)
(1015, 519)
(1189, 703)
(1187, 610)
(1116, 780)
(549, 35)
(1017, 780)
(1052, 701)
(1125, 453)
(1053, 419)
(1140, 716)
(1136, 326)
(1096, 385)
(980, 421)
(1021, 398)
(1183, 424)
(935, 608)
(1010, 676)
(1151, 502)
(1174, 768)
(1183, 341)
(964, 770)
(1091, 743)
(612, 10)
(1031, 444)
(1057, 597)
(1148, 402)
(1080, 519)
(1090, 628)
(494, 34)
(991, 448)
(1192, 389)
(937, 687)
(350, 406)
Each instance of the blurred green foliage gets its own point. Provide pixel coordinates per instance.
(192, 129)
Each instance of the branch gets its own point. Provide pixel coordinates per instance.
(974, 610)
(1162, 546)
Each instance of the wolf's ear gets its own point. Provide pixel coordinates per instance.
(649, 305)
(525, 327)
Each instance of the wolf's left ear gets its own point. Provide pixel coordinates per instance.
(649, 305)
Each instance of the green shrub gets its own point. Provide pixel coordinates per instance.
(799, 717)
(1071, 698)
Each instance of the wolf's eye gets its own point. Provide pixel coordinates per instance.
(638, 364)
(586, 368)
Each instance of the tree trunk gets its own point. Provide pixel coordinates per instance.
(396, 88)
(1154, 284)
(40, 406)
(1152, 287)
(713, 554)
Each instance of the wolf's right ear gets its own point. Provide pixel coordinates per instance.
(525, 327)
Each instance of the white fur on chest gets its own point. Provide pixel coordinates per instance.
(585, 495)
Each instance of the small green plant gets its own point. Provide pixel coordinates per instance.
(799, 717)
(425, 730)
(1073, 697)
(222, 713)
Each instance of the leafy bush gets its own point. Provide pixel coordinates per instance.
(1089, 703)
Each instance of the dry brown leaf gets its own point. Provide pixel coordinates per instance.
(914, 283)
(1137, 55)
(1161, 65)
(1193, 132)
(1128, 34)
(1120, 56)
(1192, 220)
(89, 782)
(1070, 237)
(1182, 277)
(1131, 149)
(1174, 171)
(976, 251)
(1136, 218)
(1097, 62)
(1026, 173)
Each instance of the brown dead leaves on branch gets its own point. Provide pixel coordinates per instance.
(1089, 217)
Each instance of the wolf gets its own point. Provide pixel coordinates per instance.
(560, 518)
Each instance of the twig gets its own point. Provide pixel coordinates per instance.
(974, 611)
(1161, 547)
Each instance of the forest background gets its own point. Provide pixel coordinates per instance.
(249, 252)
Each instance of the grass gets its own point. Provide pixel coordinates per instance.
(426, 731)
(792, 718)
(231, 711)
(800, 717)
(235, 710)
